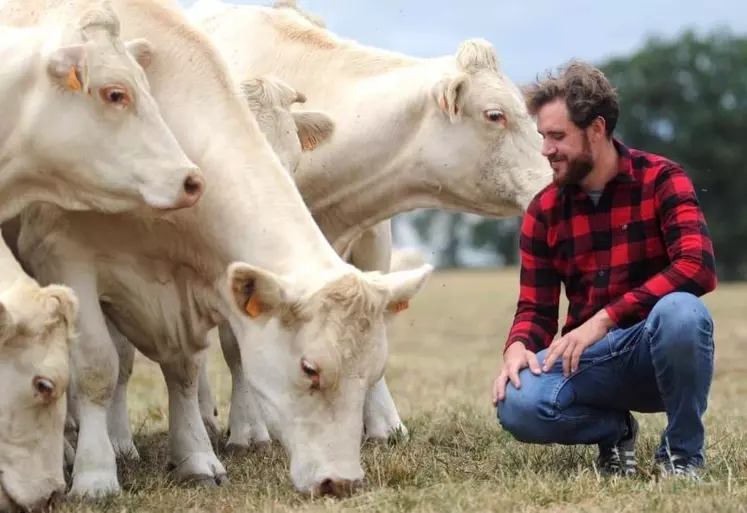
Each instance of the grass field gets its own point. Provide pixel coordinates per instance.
(443, 357)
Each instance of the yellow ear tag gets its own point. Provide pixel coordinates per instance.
(399, 306)
(253, 308)
(72, 81)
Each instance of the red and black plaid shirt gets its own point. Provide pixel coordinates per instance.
(647, 237)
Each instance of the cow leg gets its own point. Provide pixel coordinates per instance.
(380, 417)
(245, 423)
(207, 402)
(93, 378)
(373, 252)
(191, 455)
(118, 423)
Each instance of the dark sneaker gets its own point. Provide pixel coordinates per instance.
(619, 459)
(677, 466)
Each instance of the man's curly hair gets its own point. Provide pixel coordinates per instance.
(586, 91)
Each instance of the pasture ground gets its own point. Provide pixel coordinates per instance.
(443, 356)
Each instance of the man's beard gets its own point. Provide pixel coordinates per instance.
(578, 168)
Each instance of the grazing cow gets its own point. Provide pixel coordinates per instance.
(79, 127)
(36, 327)
(450, 132)
(289, 134)
(249, 253)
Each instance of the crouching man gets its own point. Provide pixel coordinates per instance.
(622, 230)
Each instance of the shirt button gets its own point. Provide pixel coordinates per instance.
(601, 273)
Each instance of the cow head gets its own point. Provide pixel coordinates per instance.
(316, 345)
(94, 131)
(289, 132)
(479, 148)
(36, 328)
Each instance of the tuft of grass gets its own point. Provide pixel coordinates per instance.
(444, 353)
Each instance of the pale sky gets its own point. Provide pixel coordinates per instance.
(529, 35)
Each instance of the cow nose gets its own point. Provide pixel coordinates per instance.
(194, 186)
(338, 487)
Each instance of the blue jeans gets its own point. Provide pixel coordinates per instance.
(662, 364)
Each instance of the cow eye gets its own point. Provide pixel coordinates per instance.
(311, 371)
(115, 95)
(495, 116)
(44, 386)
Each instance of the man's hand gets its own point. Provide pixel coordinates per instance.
(574, 343)
(516, 358)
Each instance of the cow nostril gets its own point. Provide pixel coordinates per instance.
(327, 487)
(193, 184)
(338, 487)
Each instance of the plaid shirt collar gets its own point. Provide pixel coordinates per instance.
(625, 170)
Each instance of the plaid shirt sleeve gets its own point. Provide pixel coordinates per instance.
(683, 226)
(536, 319)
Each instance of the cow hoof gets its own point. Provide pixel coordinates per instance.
(200, 466)
(94, 484)
(209, 481)
(262, 447)
(125, 450)
(236, 450)
(389, 435)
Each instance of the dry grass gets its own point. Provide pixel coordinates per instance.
(444, 354)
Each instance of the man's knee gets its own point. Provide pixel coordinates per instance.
(524, 412)
(680, 320)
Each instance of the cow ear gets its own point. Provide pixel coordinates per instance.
(257, 291)
(450, 95)
(141, 50)
(314, 128)
(7, 325)
(68, 66)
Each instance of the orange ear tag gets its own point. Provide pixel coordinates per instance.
(399, 306)
(252, 307)
(72, 81)
(309, 144)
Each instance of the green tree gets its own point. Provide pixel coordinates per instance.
(686, 99)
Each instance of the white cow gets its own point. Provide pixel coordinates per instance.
(78, 126)
(451, 132)
(289, 134)
(36, 328)
(249, 253)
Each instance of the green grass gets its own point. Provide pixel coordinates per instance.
(444, 353)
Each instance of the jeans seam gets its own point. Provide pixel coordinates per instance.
(565, 381)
